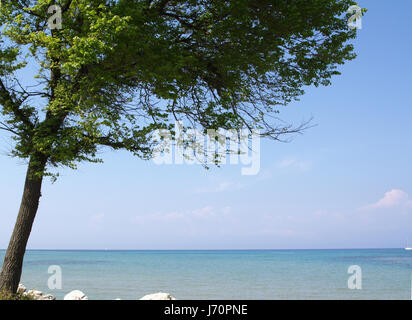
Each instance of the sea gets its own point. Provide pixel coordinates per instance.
(222, 274)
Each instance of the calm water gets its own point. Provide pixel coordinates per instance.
(253, 274)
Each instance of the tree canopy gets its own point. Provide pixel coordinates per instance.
(117, 70)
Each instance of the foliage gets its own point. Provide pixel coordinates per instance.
(6, 295)
(119, 69)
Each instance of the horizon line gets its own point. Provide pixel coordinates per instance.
(73, 249)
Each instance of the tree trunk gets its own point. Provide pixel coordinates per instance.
(13, 261)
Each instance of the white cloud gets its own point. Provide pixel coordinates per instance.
(392, 199)
(328, 215)
(294, 164)
(170, 216)
(96, 221)
(279, 232)
(206, 212)
(226, 210)
(97, 218)
(320, 213)
(222, 187)
(265, 175)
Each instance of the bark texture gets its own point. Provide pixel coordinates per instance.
(13, 260)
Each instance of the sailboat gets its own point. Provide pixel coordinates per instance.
(407, 248)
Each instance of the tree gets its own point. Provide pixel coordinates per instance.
(117, 70)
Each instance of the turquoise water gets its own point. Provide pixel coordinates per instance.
(249, 274)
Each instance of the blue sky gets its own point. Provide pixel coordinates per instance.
(345, 183)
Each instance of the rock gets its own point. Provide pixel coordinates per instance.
(48, 297)
(38, 295)
(75, 295)
(158, 296)
(21, 289)
(35, 292)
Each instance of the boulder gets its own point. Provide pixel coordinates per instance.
(158, 296)
(47, 297)
(75, 295)
(21, 289)
(38, 295)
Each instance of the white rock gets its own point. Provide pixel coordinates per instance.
(47, 297)
(35, 294)
(75, 295)
(158, 296)
(21, 289)
(38, 295)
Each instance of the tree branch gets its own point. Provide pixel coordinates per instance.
(7, 101)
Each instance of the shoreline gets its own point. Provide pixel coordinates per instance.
(35, 294)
